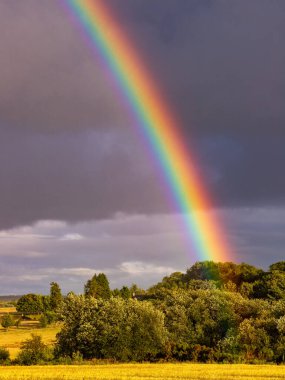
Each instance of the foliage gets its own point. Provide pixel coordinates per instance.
(43, 321)
(223, 312)
(55, 296)
(118, 329)
(33, 351)
(7, 321)
(271, 285)
(30, 304)
(4, 355)
(98, 287)
(125, 292)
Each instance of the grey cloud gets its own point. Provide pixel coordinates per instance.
(223, 68)
(69, 149)
(74, 177)
(221, 65)
(143, 254)
(49, 78)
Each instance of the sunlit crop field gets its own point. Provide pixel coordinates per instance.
(10, 309)
(145, 371)
(13, 338)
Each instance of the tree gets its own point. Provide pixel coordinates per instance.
(98, 287)
(278, 266)
(254, 341)
(116, 328)
(43, 321)
(271, 285)
(30, 304)
(173, 281)
(55, 296)
(33, 351)
(125, 292)
(7, 321)
(205, 270)
(4, 355)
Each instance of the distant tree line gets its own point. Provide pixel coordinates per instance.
(214, 312)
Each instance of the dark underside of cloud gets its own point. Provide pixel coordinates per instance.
(69, 149)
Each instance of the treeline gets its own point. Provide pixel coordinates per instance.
(217, 312)
(214, 312)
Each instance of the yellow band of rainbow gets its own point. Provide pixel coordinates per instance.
(158, 125)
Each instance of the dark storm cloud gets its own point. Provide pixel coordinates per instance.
(73, 177)
(67, 150)
(49, 78)
(222, 63)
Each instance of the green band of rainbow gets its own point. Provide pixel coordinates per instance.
(158, 126)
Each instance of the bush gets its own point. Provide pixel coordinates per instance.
(7, 321)
(43, 321)
(34, 351)
(4, 355)
(51, 317)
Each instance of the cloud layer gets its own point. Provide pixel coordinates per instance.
(70, 151)
(129, 249)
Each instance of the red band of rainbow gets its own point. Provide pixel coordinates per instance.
(158, 125)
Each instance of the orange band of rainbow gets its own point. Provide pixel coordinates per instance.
(158, 125)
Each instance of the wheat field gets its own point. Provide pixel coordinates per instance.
(145, 372)
(13, 338)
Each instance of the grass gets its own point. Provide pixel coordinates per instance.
(145, 372)
(12, 338)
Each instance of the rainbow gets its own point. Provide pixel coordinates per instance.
(158, 125)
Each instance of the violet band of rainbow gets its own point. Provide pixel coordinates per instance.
(158, 125)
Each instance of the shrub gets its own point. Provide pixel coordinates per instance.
(34, 351)
(51, 317)
(43, 321)
(4, 355)
(7, 321)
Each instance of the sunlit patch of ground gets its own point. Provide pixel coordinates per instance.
(145, 372)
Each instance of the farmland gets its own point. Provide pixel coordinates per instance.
(145, 371)
(12, 338)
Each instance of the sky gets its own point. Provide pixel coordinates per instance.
(80, 191)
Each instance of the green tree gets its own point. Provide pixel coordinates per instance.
(55, 296)
(30, 304)
(248, 273)
(116, 328)
(7, 321)
(204, 270)
(280, 266)
(254, 341)
(271, 285)
(125, 292)
(173, 281)
(33, 351)
(4, 355)
(98, 287)
(280, 343)
(43, 320)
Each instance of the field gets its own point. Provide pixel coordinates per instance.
(12, 338)
(145, 372)
(9, 309)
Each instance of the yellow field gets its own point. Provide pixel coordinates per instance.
(10, 309)
(12, 338)
(145, 372)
